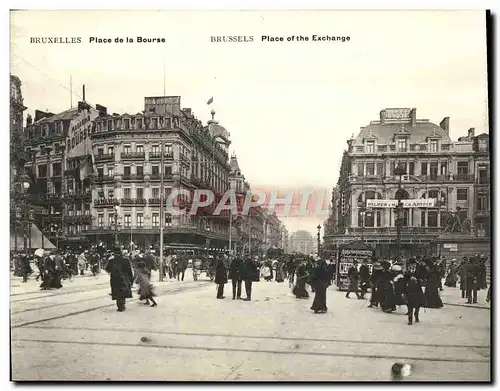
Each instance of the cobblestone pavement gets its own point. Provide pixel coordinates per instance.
(76, 333)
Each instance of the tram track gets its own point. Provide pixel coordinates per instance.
(180, 289)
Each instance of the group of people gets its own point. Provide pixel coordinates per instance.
(471, 274)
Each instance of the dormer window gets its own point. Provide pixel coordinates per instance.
(402, 145)
(126, 123)
(370, 147)
(434, 145)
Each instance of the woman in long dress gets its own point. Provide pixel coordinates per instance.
(451, 277)
(320, 280)
(432, 299)
(302, 276)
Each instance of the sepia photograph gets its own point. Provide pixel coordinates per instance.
(250, 195)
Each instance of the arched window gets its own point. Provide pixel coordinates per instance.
(368, 217)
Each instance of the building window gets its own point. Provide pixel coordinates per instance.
(155, 218)
(139, 193)
(411, 168)
(433, 168)
(140, 171)
(126, 123)
(139, 148)
(402, 145)
(140, 218)
(155, 170)
(155, 123)
(100, 220)
(168, 149)
(168, 170)
(138, 123)
(155, 192)
(423, 168)
(56, 169)
(110, 150)
(111, 193)
(100, 172)
(111, 220)
(100, 151)
(380, 169)
(168, 219)
(462, 168)
(127, 219)
(483, 176)
(126, 171)
(462, 194)
(361, 168)
(444, 168)
(370, 168)
(126, 193)
(127, 149)
(434, 146)
(370, 147)
(432, 218)
(42, 171)
(155, 149)
(482, 203)
(111, 171)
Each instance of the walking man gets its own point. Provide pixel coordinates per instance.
(235, 273)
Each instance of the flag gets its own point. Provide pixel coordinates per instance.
(209, 102)
(83, 170)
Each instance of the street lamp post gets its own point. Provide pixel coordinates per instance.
(399, 171)
(116, 225)
(319, 237)
(362, 212)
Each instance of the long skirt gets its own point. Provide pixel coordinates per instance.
(432, 299)
(319, 303)
(451, 280)
(299, 290)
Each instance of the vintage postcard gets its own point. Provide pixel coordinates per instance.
(250, 195)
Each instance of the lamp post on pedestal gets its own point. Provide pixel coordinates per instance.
(399, 171)
(362, 213)
(319, 238)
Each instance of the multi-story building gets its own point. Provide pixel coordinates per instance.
(285, 240)
(57, 143)
(302, 242)
(164, 147)
(250, 227)
(438, 176)
(272, 234)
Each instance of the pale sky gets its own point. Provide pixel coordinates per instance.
(290, 107)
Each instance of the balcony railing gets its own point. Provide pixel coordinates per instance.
(133, 177)
(393, 230)
(132, 201)
(155, 229)
(132, 155)
(104, 178)
(156, 155)
(85, 218)
(53, 197)
(106, 202)
(104, 157)
(482, 213)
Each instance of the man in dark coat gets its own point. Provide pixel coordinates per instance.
(320, 280)
(462, 272)
(375, 283)
(250, 273)
(94, 262)
(472, 278)
(25, 266)
(121, 278)
(220, 278)
(353, 275)
(235, 273)
(414, 295)
(364, 278)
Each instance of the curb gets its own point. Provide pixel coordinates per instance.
(467, 306)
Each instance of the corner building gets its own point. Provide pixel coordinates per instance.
(127, 152)
(435, 166)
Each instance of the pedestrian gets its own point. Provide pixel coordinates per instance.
(302, 276)
(482, 283)
(413, 292)
(320, 279)
(432, 299)
(472, 280)
(364, 278)
(121, 278)
(353, 275)
(451, 276)
(488, 295)
(280, 271)
(146, 289)
(82, 263)
(220, 278)
(25, 266)
(235, 274)
(399, 285)
(386, 296)
(249, 275)
(375, 284)
(462, 271)
(265, 272)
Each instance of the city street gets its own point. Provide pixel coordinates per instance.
(75, 333)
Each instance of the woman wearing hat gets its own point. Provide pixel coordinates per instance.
(432, 299)
(399, 286)
(386, 288)
(375, 283)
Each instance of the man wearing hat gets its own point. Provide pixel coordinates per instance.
(121, 278)
(364, 277)
(375, 283)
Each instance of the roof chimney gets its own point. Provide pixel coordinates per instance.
(413, 117)
(83, 93)
(470, 133)
(445, 124)
(382, 116)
